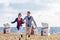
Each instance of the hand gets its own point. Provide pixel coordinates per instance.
(12, 22)
(24, 21)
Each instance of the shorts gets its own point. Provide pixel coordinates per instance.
(28, 30)
(20, 29)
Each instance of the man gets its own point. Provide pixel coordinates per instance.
(29, 20)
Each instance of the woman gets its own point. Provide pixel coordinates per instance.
(19, 21)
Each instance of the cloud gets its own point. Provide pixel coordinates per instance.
(1, 6)
(13, 1)
(42, 10)
(27, 6)
(51, 15)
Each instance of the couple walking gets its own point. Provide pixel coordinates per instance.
(27, 20)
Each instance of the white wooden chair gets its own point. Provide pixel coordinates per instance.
(6, 28)
(45, 29)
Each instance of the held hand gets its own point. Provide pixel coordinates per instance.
(24, 21)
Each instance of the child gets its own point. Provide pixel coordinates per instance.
(19, 21)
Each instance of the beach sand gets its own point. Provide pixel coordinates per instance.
(13, 36)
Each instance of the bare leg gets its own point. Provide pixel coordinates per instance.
(28, 30)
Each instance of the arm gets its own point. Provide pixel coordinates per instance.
(24, 20)
(14, 20)
(34, 22)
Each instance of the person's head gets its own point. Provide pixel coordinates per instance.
(19, 15)
(28, 13)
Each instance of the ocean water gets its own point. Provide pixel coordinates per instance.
(53, 30)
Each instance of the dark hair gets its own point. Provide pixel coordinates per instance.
(28, 12)
(19, 14)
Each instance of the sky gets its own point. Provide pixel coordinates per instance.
(47, 11)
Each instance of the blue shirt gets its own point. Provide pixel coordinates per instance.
(29, 21)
